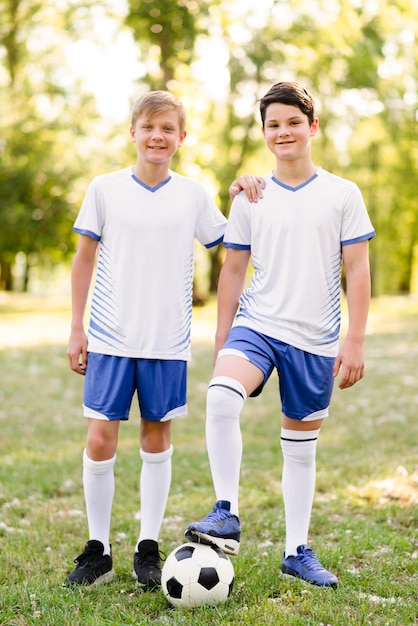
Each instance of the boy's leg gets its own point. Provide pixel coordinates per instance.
(306, 382)
(155, 481)
(234, 378)
(94, 565)
(298, 479)
(98, 477)
(108, 390)
(161, 387)
(224, 402)
(298, 487)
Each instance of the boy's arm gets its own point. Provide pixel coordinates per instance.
(351, 355)
(82, 270)
(230, 287)
(252, 185)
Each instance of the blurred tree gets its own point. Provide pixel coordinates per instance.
(166, 32)
(358, 57)
(45, 119)
(383, 148)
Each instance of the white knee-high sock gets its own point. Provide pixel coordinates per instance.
(298, 484)
(225, 399)
(155, 485)
(99, 489)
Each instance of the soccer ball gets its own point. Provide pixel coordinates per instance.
(195, 574)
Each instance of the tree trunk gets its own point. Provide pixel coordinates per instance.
(6, 279)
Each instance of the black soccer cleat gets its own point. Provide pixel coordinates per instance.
(147, 565)
(93, 567)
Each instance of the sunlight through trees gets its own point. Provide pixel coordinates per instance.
(69, 71)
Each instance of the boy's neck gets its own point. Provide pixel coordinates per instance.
(150, 174)
(292, 173)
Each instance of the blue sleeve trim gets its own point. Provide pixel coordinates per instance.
(347, 242)
(237, 246)
(89, 233)
(214, 243)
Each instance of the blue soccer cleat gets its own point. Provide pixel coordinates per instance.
(306, 566)
(219, 528)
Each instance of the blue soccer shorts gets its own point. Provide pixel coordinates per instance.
(111, 382)
(305, 380)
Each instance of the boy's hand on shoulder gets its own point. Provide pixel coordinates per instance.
(350, 360)
(77, 352)
(252, 185)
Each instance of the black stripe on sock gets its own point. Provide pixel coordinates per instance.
(301, 440)
(228, 387)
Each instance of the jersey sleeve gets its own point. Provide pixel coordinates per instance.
(356, 225)
(90, 218)
(238, 230)
(211, 223)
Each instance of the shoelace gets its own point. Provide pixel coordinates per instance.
(218, 514)
(85, 557)
(151, 558)
(310, 559)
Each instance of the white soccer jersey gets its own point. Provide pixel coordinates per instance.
(142, 296)
(296, 236)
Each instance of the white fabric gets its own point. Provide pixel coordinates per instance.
(295, 236)
(99, 489)
(142, 298)
(225, 399)
(155, 484)
(298, 484)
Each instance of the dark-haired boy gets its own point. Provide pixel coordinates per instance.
(307, 223)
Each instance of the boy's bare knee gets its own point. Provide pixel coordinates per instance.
(102, 440)
(155, 436)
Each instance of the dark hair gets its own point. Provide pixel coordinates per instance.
(289, 93)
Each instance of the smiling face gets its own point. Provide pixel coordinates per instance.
(157, 136)
(287, 131)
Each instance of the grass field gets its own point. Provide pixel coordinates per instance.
(365, 518)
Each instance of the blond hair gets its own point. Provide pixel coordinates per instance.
(156, 102)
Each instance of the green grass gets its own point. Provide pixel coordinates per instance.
(365, 517)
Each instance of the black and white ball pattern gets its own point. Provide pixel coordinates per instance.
(195, 574)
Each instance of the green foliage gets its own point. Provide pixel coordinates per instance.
(171, 28)
(364, 521)
(359, 59)
(36, 208)
(45, 120)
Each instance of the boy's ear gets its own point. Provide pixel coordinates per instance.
(314, 126)
(132, 133)
(182, 138)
